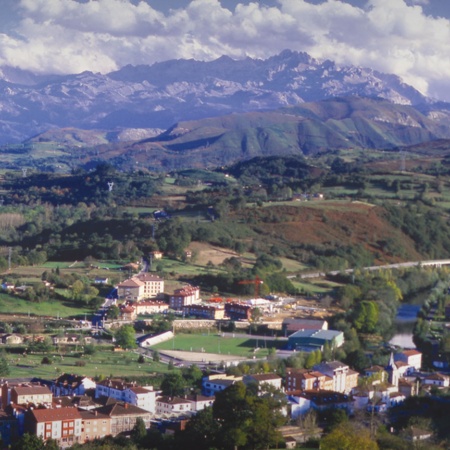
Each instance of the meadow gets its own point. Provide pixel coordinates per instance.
(104, 363)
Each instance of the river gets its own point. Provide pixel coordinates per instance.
(404, 325)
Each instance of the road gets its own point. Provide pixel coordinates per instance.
(434, 262)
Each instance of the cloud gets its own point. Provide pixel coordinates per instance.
(69, 36)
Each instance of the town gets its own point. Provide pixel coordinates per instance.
(77, 409)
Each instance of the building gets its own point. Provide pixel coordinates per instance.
(205, 311)
(185, 296)
(436, 379)
(171, 406)
(262, 379)
(303, 379)
(24, 393)
(217, 383)
(150, 307)
(11, 339)
(9, 428)
(142, 397)
(238, 311)
(113, 387)
(324, 400)
(131, 289)
(199, 402)
(61, 424)
(309, 340)
(69, 384)
(412, 358)
(153, 285)
(123, 416)
(344, 379)
(291, 325)
(94, 425)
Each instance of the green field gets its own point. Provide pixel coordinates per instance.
(10, 304)
(105, 363)
(214, 343)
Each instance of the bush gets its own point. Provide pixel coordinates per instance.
(46, 360)
(80, 363)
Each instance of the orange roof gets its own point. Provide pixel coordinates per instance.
(56, 414)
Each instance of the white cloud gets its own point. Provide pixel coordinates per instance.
(68, 36)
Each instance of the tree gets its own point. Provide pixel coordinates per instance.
(366, 316)
(173, 384)
(29, 442)
(245, 419)
(4, 369)
(347, 437)
(139, 431)
(201, 432)
(126, 337)
(113, 312)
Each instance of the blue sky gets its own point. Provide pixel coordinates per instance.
(410, 38)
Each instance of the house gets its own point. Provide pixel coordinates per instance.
(324, 400)
(412, 358)
(217, 383)
(123, 416)
(344, 379)
(11, 339)
(127, 312)
(94, 425)
(69, 384)
(199, 402)
(156, 254)
(185, 296)
(303, 379)
(436, 379)
(205, 311)
(309, 340)
(62, 424)
(172, 406)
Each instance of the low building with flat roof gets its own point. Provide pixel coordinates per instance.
(309, 340)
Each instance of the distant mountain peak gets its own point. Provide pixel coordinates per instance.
(158, 95)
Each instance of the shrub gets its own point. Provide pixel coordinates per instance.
(46, 360)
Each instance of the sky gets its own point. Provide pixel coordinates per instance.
(409, 38)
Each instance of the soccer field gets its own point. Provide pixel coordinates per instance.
(215, 343)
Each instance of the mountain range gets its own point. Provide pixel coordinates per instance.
(224, 109)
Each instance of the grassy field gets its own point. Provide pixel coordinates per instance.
(214, 343)
(10, 304)
(106, 363)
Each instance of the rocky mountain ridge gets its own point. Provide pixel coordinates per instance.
(160, 95)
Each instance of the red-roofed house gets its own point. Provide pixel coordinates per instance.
(61, 424)
(185, 296)
(131, 289)
(411, 357)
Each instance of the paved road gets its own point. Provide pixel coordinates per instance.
(434, 262)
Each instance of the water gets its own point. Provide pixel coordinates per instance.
(404, 325)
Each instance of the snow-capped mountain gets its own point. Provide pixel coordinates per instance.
(157, 96)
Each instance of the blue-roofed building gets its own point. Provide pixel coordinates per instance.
(310, 340)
